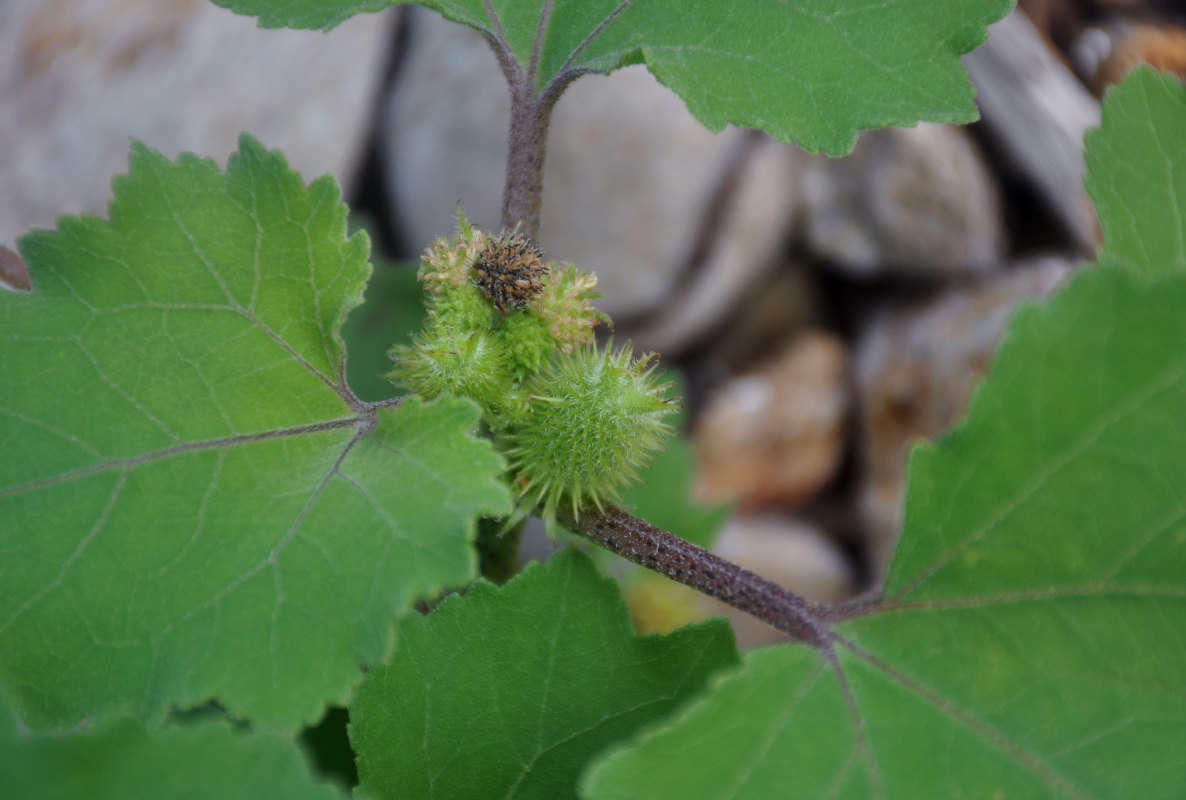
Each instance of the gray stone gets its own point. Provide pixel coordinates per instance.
(916, 368)
(907, 201)
(1036, 111)
(78, 79)
(635, 189)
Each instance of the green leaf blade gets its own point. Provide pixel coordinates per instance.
(1081, 694)
(123, 759)
(327, 14)
(769, 709)
(195, 504)
(1029, 643)
(814, 72)
(1083, 421)
(1141, 201)
(305, 14)
(507, 692)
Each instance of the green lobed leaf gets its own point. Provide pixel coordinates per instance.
(812, 71)
(508, 692)
(1029, 643)
(194, 504)
(1141, 201)
(315, 14)
(815, 72)
(122, 759)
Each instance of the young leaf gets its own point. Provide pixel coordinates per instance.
(814, 71)
(121, 760)
(1029, 643)
(508, 692)
(1142, 200)
(195, 505)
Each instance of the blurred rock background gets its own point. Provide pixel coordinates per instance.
(827, 313)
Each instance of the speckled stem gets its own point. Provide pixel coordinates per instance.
(656, 549)
(522, 195)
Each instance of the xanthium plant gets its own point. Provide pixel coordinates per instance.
(514, 333)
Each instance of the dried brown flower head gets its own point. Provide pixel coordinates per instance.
(510, 271)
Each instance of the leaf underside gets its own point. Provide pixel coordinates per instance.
(813, 71)
(195, 505)
(1030, 640)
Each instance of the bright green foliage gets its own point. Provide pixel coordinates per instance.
(576, 422)
(1030, 641)
(323, 14)
(194, 505)
(813, 71)
(122, 760)
(507, 692)
(1137, 175)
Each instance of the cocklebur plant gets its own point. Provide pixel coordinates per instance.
(196, 508)
(514, 333)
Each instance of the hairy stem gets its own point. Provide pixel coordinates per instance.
(522, 196)
(682, 561)
(531, 114)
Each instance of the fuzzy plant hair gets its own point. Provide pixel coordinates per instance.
(514, 332)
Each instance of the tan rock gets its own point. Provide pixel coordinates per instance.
(775, 435)
(916, 368)
(78, 79)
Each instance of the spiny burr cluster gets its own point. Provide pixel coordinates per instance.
(514, 333)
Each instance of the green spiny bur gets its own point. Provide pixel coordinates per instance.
(529, 341)
(594, 419)
(565, 304)
(471, 363)
(576, 422)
